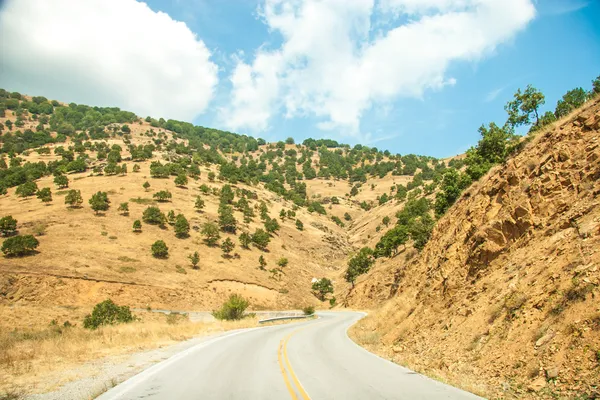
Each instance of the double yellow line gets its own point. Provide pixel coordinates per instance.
(283, 362)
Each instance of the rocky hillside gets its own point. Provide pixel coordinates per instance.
(503, 300)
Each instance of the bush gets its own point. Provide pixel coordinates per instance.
(308, 310)
(160, 249)
(261, 239)
(26, 189)
(153, 216)
(107, 313)
(73, 198)
(232, 309)
(8, 225)
(19, 245)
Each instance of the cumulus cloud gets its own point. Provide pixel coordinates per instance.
(105, 52)
(333, 65)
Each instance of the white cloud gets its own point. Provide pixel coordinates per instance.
(332, 66)
(105, 52)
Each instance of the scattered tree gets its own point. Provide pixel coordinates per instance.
(137, 226)
(227, 221)
(163, 196)
(61, 181)
(8, 225)
(45, 195)
(26, 189)
(199, 205)
(523, 105)
(194, 259)
(99, 202)
(124, 208)
(261, 239)
(160, 249)
(211, 233)
(282, 262)
(153, 216)
(73, 198)
(271, 225)
(322, 287)
(181, 180)
(227, 246)
(182, 226)
(262, 262)
(17, 246)
(359, 264)
(299, 225)
(245, 240)
(146, 186)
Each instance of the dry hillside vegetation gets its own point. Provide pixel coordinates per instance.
(503, 300)
(84, 256)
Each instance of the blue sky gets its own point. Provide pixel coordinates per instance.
(383, 73)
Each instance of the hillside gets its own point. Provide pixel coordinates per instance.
(85, 257)
(503, 299)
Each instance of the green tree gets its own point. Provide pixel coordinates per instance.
(137, 168)
(124, 208)
(153, 216)
(17, 246)
(227, 195)
(227, 247)
(137, 226)
(227, 221)
(271, 225)
(289, 140)
(245, 240)
(45, 195)
(595, 87)
(386, 220)
(171, 217)
(232, 309)
(211, 233)
(61, 181)
(523, 105)
(26, 189)
(160, 249)
(262, 262)
(211, 176)
(570, 101)
(163, 196)
(282, 262)
(299, 225)
(182, 226)
(8, 225)
(73, 198)
(99, 202)
(194, 259)
(146, 186)
(359, 264)
(391, 240)
(261, 239)
(321, 288)
(107, 313)
(199, 204)
(347, 217)
(181, 180)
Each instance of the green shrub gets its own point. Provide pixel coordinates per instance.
(19, 245)
(8, 225)
(232, 309)
(308, 310)
(160, 249)
(107, 313)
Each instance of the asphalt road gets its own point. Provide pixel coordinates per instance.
(308, 360)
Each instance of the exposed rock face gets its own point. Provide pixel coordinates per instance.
(515, 261)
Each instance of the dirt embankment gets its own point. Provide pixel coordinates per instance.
(504, 298)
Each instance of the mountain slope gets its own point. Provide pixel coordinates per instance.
(503, 300)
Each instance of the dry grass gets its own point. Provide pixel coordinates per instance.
(27, 354)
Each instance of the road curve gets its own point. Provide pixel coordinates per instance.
(309, 360)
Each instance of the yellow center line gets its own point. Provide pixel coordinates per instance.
(303, 393)
(285, 377)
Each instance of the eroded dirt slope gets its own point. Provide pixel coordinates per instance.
(503, 300)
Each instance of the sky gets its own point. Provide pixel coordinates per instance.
(410, 76)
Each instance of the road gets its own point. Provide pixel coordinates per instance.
(309, 360)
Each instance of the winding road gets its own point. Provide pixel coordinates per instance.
(309, 360)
